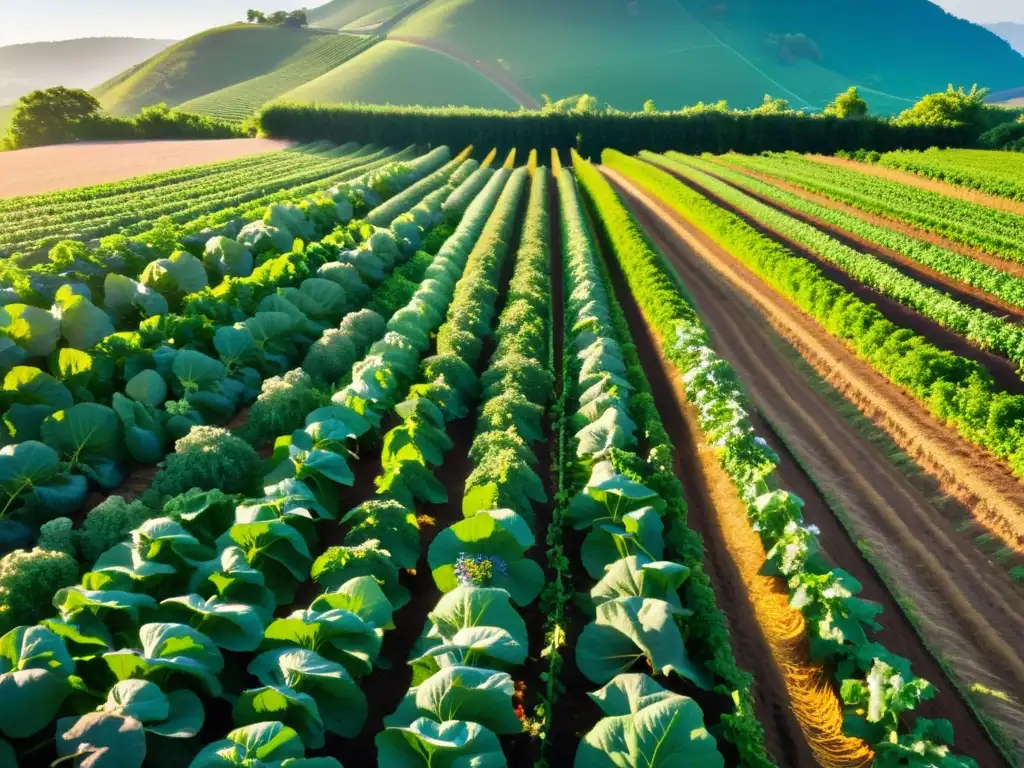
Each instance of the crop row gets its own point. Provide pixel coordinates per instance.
(878, 688)
(115, 395)
(651, 601)
(1003, 285)
(149, 181)
(461, 695)
(968, 223)
(985, 330)
(220, 565)
(957, 391)
(997, 173)
(204, 180)
(37, 232)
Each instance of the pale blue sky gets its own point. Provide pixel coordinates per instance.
(23, 21)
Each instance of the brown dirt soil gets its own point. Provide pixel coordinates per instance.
(784, 736)
(959, 290)
(759, 616)
(47, 169)
(931, 185)
(968, 613)
(996, 262)
(1003, 371)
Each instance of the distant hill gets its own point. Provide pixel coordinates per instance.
(203, 63)
(81, 63)
(1010, 32)
(356, 15)
(682, 51)
(511, 53)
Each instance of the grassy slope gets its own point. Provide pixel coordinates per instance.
(81, 63)
(203, 63)
(363, 15)
(397, 73)
(319, 56)
(683, 51)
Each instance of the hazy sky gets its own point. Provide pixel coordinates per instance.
(23, 21)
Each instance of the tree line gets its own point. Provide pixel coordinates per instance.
(278, 18)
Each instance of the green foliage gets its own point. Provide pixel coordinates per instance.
(282, 406)
(108, 524)
(50, 116)
(952, 107)
(703, 130)
(207, 458)
(28, 581)
(848, 104)
(57, 535)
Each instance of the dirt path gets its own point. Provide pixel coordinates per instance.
(784, 737)
(931, 185)
(1014, 268)
(968, 613)
(498, 77)
(46, 169)
(959, 290)
(1003, 371)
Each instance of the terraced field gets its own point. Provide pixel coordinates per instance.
(384, 456)
(319, 56)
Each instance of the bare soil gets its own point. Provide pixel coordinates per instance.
(931, 185)
(968, 613)
(47, 169)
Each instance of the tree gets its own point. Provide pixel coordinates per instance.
(950, 107)
(50, 116)
(296, 19)
(277, 17)
(650, 107)
(848, 104)
(772, 106)
(255, 17)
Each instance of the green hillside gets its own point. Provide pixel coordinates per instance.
(398, 73)
(682, 51)
(363, 15)
(207, 62)
(320, 55)
(82, 63)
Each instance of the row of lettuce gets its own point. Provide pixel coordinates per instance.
(877, 687)
(89, 390)
(1005, 286)
(958, 391)
(968, 223)
(168, 618)
(31, 225)
(981, 327)
(650, 603)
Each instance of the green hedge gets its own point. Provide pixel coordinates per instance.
(709, 131)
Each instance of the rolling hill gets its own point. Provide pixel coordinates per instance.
(81, 63)
(357, 15)
(399, 73)
(510, 53)
(322, 54)
(1010, 32)
(204, 63)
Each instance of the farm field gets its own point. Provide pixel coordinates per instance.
(45, 169)
(363, 455)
